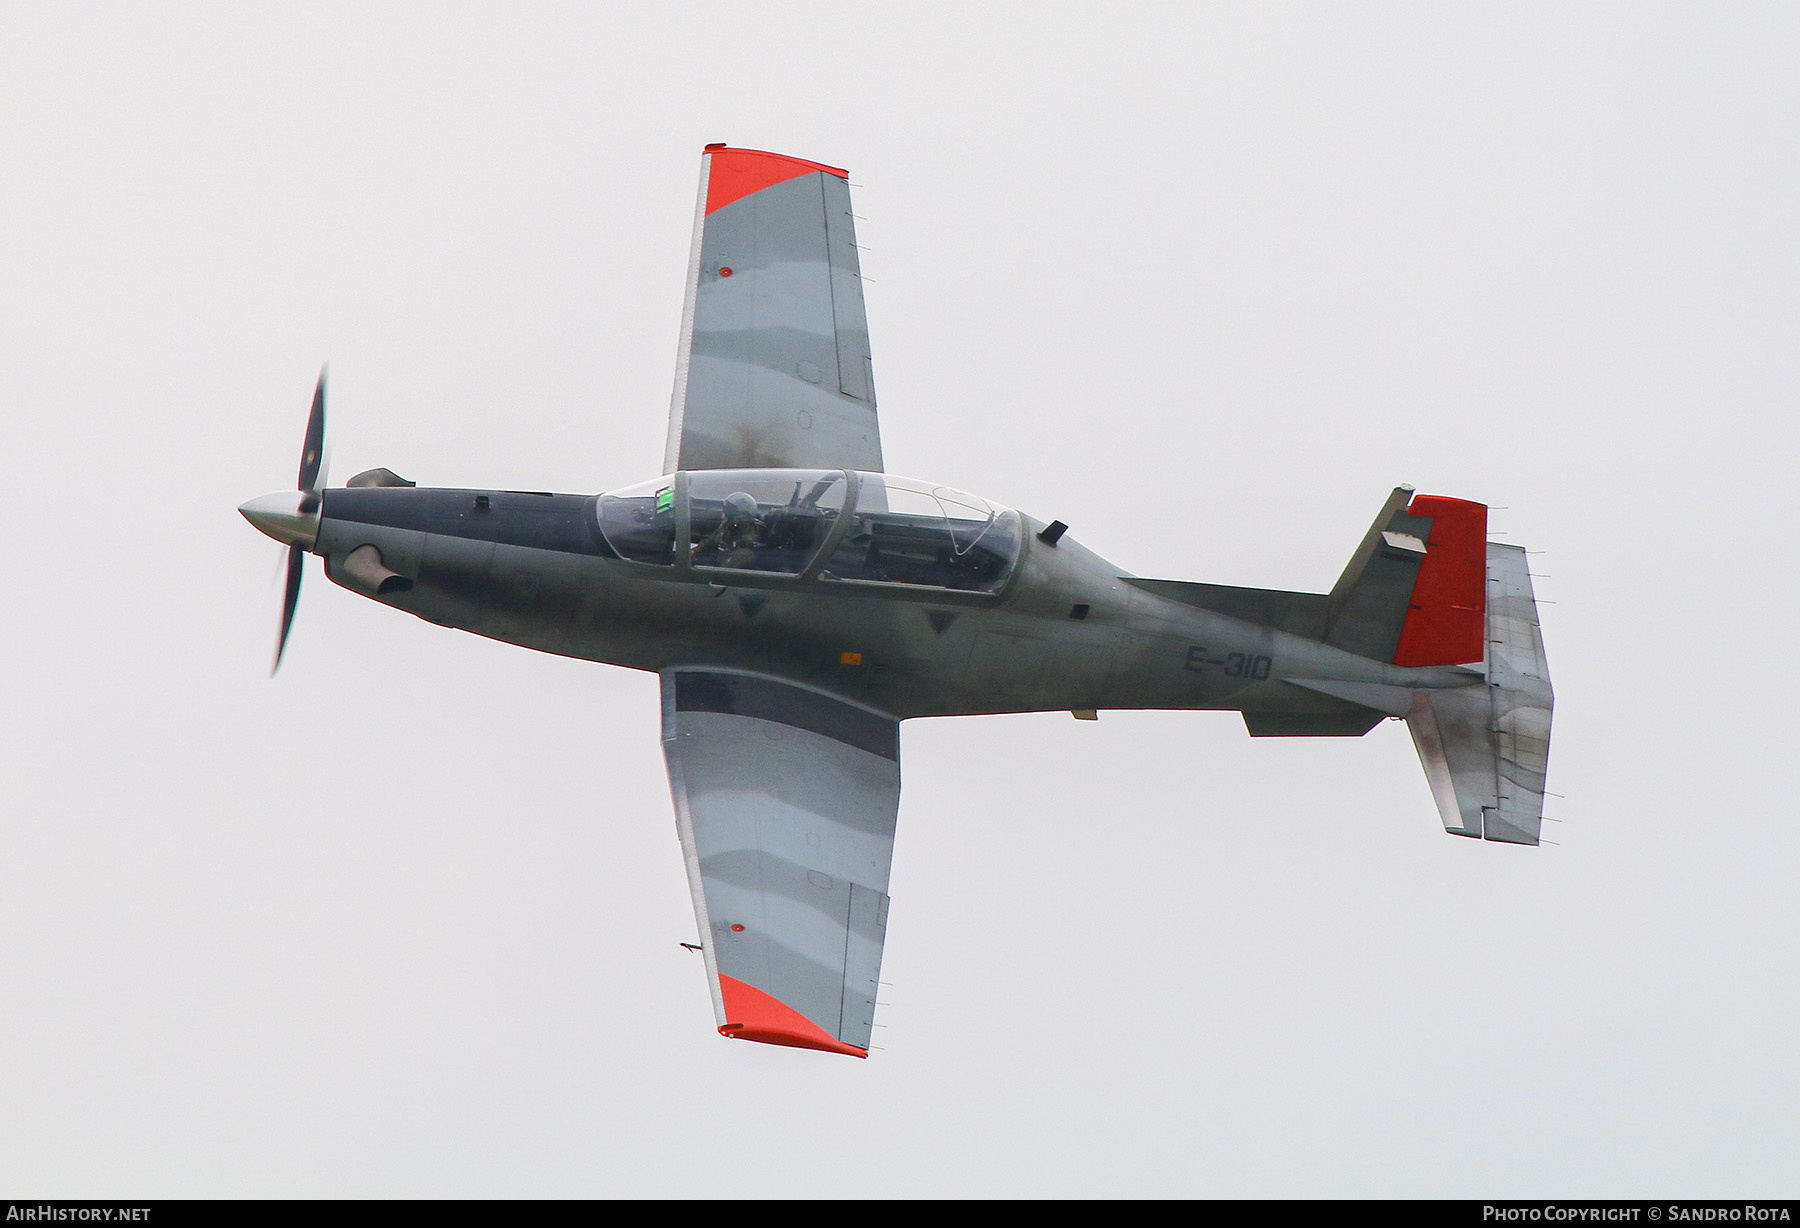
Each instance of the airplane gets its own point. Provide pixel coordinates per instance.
(798, 602)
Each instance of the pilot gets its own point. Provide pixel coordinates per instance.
(734, 542)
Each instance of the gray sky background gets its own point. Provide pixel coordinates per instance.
(1202, 281)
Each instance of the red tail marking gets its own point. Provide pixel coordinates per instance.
(736, 173)
(1448, 619)
(755, 1015)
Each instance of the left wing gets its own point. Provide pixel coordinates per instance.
(774, 367)
(785, 800)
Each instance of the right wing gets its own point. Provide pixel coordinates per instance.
(785, 800)
(773, 371)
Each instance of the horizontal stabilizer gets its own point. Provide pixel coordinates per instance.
(1485, 748)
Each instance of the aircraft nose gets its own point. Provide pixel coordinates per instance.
(286, 516)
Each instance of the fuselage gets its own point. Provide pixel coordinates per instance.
(1051, 626)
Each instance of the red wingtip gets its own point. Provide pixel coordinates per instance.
(1448, 619)
(736, 173)
(758, 1016)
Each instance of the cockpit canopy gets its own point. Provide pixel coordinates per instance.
(846, 527)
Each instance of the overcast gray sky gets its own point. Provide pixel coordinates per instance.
(1203, 281)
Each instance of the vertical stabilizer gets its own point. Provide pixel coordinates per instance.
(1367, 607)
(1412, 592)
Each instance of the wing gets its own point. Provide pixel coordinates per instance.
(785, 800)
(774, 366)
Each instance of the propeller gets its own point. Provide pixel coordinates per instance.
(313, 461)
(311, 481)
(294, 521)
(290, 600)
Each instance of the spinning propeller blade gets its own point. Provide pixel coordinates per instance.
(312, 452)
(295, 520)
(296, 561)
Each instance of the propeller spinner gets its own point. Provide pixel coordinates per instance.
(292, 517)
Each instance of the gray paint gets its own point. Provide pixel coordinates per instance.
(792, 832)
(1485, 749)
(774, 365)
(1017, 651)
(1367, 607)
(782, 693)
(1301, 613)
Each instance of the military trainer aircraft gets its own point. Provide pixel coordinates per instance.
(798, 602)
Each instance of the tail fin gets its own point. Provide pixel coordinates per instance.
(1485, 748)
(1424, 588)
(1413, 591)
(1411, 595)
